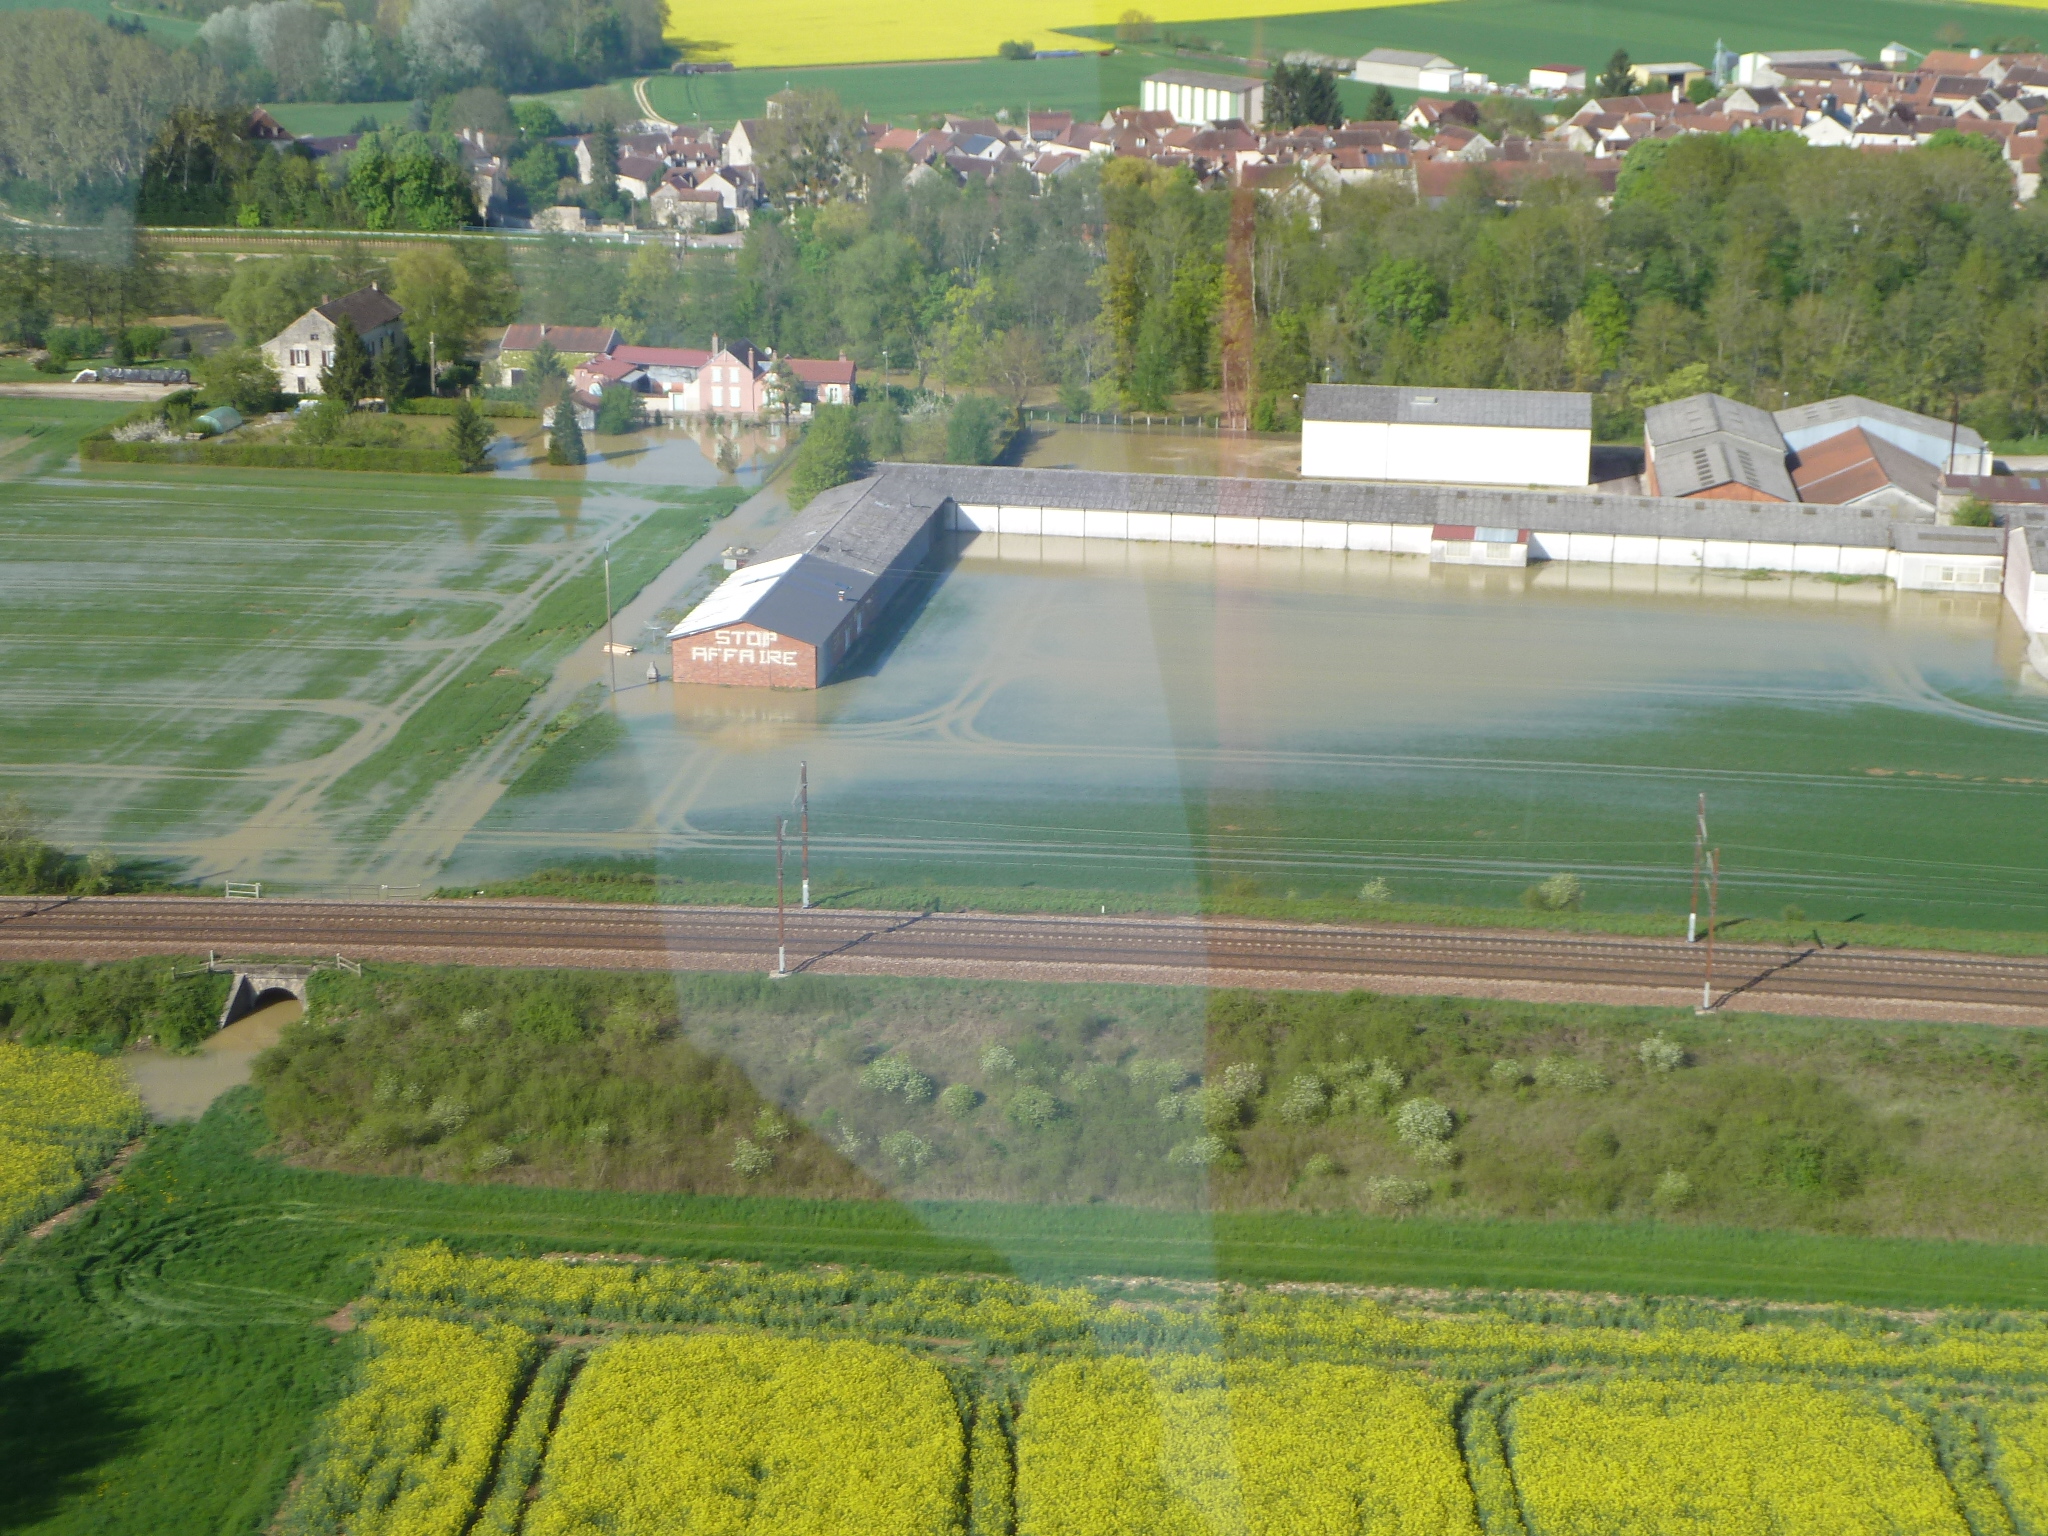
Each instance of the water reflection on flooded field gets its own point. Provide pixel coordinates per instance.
(694, 454)
(1134, 717)
(1165, 450)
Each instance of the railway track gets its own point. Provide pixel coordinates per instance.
(1211, 951)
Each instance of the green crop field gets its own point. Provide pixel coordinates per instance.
(172, 1347)
(905, 93)
(264, 673)
(1504, 38)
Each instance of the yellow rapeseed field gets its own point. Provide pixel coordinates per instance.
(406, 1453)
(1640, 1458)
(1185, 1446)
(2019, 1433)
(715, 1434)
(786, 33)
(63, 1113)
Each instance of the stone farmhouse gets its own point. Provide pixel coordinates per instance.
(302, 349)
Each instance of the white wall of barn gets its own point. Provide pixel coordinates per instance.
(1414, 539)
(1379, 450)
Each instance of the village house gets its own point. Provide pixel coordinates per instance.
(302, 349)
(572, 344)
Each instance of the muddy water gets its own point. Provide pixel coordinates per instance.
(181, 1087)
(1165, 451)
(661, 456)
(1103, 716)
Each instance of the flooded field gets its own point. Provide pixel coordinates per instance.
(220, 671)
(1142, 718)
(1164, 451)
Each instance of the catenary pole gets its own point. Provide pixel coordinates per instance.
(1699, 853)
(803, 795)
(781, 933)
(1713, 911)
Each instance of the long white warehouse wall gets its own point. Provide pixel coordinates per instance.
(2026, 589)
(1414, 539)
(1380, 450)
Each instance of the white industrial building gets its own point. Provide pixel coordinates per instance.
(1764, 68)
(1403, 69)
(1201, 100)
(1949, 446)
(1446, 436)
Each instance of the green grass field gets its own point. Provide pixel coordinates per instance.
(1504, 38)
(36, 436)
(163, 1359)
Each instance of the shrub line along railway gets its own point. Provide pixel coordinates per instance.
(1190, 951)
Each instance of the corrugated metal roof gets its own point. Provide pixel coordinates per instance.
(1448, 407)
(828, 555)
(1722, 458)
(1699, 415)
(1950, 541)
(1849, 408)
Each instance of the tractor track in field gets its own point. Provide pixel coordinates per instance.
(1176, 951)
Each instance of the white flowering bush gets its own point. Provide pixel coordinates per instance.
(1320, 1166)
(749, 1159)
(1660, 1053)
(1242, 1082)
(907, 1151)
(769, 1127)
(1376, 889)
(1423, 1121)
(1153, 1076)
(1032, 1109)
(998, 1061)
(1507, 1072)
(960, 1101)
(1201, 1152)
(1392, 1192)
(448, 1114)
(893, 1074)
(1674, 1189)
(1307, 1099)
(1433, 1154)
(1569, 1072)
(152, 430)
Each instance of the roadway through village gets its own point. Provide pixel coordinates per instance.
(1182, 951)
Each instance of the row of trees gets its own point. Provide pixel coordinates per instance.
(1754, 264)
(293, 50)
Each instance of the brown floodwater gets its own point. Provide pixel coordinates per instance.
(1165, 451)
(181, 1087)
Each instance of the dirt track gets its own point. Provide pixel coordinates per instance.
(1844, 983)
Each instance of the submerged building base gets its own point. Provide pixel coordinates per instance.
(792, 620)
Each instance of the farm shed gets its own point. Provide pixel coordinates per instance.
(793, 617)
(1473, 436)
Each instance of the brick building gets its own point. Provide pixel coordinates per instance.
(822, 587)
